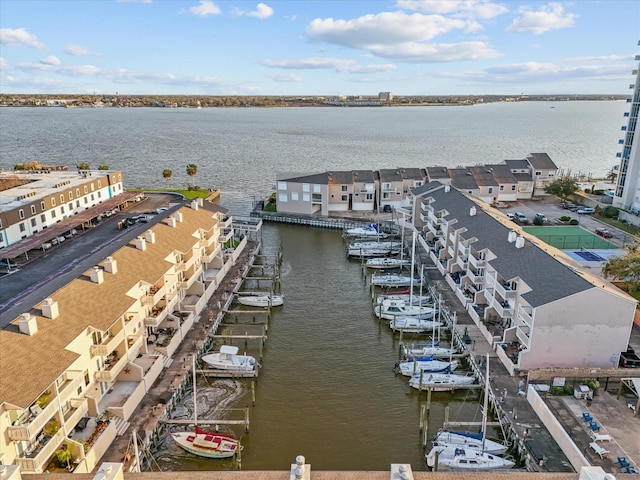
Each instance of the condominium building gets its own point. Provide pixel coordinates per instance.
(528, 301)
(74, 367)
(32, 201)
(367, 190)
(627, 194)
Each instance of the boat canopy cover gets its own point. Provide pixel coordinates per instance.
(229, 349)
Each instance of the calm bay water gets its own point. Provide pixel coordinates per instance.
(326, 390)
(240, 150)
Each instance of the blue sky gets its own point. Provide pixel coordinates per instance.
(305, 47)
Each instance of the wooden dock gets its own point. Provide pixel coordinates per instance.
(229, 373)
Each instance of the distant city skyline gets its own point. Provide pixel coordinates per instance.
(347, 47)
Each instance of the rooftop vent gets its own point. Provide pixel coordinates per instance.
(50, 308)
(178, 216)
(472, 211)
(520, 241)
(97, 275)
(28, 324)
(512, 236)
(194, 204)
(171, 221)
(150, 236)
(447, 188)
(111, 265)
(141, 243)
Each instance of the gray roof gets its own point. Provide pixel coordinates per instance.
(437, 172)
(549, 279)
(462, 178)
(523, 177)
(541, 161)
(412, 173)
(317, 178)
(340, 177)
(363, 176)
(483, 176)
(517, 164)
(503, 174)
(390, 175)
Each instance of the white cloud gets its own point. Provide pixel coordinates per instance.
(335, 64)
(77, 51)
(436, 53)
(385, 28)
(19, 37)
(50, 60)
(285, 77)
(262, 11)
(468, 8)
(205, 9)
(547, 18)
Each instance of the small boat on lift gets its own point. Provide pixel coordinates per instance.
(372, 230)
(386, 262)
(228, 359)
(260, 300)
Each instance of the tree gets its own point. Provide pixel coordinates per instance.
(82, 166)
(103, 167)
(611, 176)
(192, 171)
(167, 174)
(625, 269)
(562, 187)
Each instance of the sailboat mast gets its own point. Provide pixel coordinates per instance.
(413, 253)
(486, 405)
(195, 398)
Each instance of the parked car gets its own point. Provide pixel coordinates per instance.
(585, 210)
(542, 217)
(7, 264)
(603, 232)
(46, 245)
(511, 216)
(521, 217)
(629, 359)
(568, 205)
(387, 209)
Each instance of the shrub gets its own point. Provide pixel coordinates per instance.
(610, 212)
(557, 390)
(568, 390)
(573, 221)
(565, 218)
(538, 221)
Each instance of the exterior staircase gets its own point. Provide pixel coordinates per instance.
(166, 361)
(121, 425)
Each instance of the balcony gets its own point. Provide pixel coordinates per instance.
(463, 249)
(35, 457)
(108, 345)
(462, 263)
(524, 315)
(503, 308)
(225, 235)
(475, 277)
(476, 262)
(113, 366)
(504, 289)
(451, 251)
(35, 419)
(156, 316)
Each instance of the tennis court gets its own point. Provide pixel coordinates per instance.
(570, 237)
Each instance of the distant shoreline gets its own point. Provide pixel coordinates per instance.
(203, 101)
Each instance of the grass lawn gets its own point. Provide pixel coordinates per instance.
(569, 237)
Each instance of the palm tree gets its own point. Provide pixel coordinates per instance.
(82, 166)
(103, 167)
(611, 176)
(192, 170)
(167, 174)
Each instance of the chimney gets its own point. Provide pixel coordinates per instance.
(97, 275)
(50, 308)
(171, 221)
(520, 241)
(472, 211)
(110, 265)
(200, 201)
(141, 244)
(512, 236)
(28, 324)
(447, 188)
(194, 204)
(178, 217)
(150, 236)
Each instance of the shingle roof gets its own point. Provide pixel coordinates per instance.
(503, 174)
(317, 178)
(412, 173)
(390, 175)
(549, 279)
(483, 176)
(363, 176)
(541, 161)
(462, 178)
(517, 164)
(437, 172)
(340, 177)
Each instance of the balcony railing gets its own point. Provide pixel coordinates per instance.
(34, 461)
(37, 418)
(476, 262)
(108, 345)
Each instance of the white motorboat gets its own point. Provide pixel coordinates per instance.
(439, 382)
(467, 458)
(373, 244)
(407, 298)
(468, 439)
(391, 280)
(391, 309)
(260, 299)
(413, 324)
(201, 442)
(372, 230)
(477, 441)
(372, 252)
(228, 359)
(425, 365)
(380, 263)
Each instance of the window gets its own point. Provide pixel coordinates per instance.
(53, 202)
(70, 206)
(294, 196)
(369, 196)
(53, 213)
(99, 184)
(93, 187)
(305, 187)
(345, 188)
(385, 195)
(33, 209)
(282, 185)
(62, 209)
(77, 192)
(21, 213)
(513, 188)
(490, 190)
(86, 200)
(70, 195)
(282, 197)
(42, 206)
(34, 222)
(86, 190)
(61, 198)
(22, 227)
(306, 197)
(386, 186)
(501, 188)
(316, 189)
(92, 198)
(345, 198)
(538, 173)
(43, 218)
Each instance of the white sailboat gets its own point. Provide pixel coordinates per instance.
(409, 299)
(425, 365)
(475, 441)
(439, 382)
(465, 458)
(386, 262)
(391, 280)
(413, 324)
(204, 443)
(393, 309)
(370, 231)
(426, 349)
